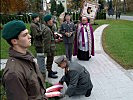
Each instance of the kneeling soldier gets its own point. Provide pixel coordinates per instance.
(76, 77)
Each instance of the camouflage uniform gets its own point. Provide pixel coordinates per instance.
(49, 46)
(36, 31)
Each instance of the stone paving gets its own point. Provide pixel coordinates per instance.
(110, 80)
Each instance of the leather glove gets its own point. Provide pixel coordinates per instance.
(61, 82)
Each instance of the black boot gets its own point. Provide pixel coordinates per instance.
(51, 75)
(88, 93)
(54, 72)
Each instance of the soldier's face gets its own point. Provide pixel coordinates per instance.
(62, 65)
(37, 19)
(68, 18)
(24, 40)
(50, 22)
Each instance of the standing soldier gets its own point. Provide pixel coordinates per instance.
(22, 78)
(49, 45)
(36, 31)
(68, 31)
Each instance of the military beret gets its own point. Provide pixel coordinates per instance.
(60, 59)
(34, 15)
(47, 17)
(13, 29)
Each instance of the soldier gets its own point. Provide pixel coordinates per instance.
(49, 45)
(36, 31)
(76, 77)
(68, 30)
(22, 78)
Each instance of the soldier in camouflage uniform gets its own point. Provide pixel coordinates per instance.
(36, 32)
(49, 45)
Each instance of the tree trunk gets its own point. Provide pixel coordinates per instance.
(124, 6)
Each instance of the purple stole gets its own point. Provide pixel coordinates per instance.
(80, 28)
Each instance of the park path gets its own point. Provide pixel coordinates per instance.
(123, 17)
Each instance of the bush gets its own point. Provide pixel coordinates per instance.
(101, 15)
(9, 17)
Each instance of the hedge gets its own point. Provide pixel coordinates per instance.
(6, 18)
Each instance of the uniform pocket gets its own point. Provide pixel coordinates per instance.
(33, 84)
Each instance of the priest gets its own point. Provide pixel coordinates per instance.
(84, 40)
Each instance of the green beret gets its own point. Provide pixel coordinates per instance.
(47, 17)
(35, 15)
(12, 29)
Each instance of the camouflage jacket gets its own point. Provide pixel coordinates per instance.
(36, 33)
(49, 40)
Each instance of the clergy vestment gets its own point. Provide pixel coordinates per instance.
(84, 42)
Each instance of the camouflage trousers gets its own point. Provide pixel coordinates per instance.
(50, 59)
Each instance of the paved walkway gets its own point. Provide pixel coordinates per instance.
(110, 80)
(121, 17)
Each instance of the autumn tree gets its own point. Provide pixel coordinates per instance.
(36, 5)
(14, 6)
(129, 6)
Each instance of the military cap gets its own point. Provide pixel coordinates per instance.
(34, 15)
(12, 29)
(60, 59)
(47, 17)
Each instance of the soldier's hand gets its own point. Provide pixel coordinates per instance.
(61, 82)
(62, 95)
(66, 33)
